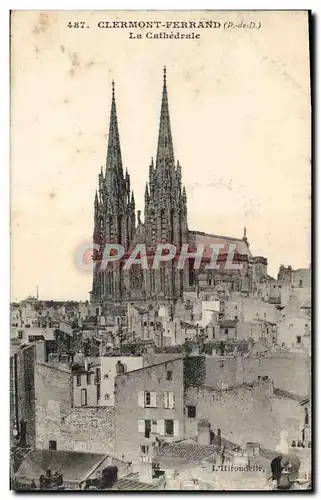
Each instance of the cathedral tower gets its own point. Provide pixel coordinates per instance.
(114, 213)
(165, 205)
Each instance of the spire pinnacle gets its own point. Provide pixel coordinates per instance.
(114, 160)
(165, 151)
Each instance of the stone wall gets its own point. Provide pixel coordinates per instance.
(290, 373)
(245, 414)
(26, 391)
(88, 429)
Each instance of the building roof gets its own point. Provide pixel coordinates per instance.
(131, 483)
(74, 466)
(190, 451)
(150, 366)
(290, 395)
(227, 323)
(185, 324)
(207, 239)
(17, 457)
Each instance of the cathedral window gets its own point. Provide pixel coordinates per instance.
(163, 226)
(173, 279)
(162, 279)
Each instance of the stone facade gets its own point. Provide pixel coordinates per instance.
(165, 222)
(245, 413)
(148, 405)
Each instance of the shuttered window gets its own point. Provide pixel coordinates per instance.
(169, 400)
(141, 425)
(147, 399)
(168, 428)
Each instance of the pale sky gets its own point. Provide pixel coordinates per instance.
(240, 114)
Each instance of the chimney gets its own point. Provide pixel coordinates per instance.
(203, 432)
(145, 470)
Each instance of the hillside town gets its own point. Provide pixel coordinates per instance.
(160, 395)
(192, 377)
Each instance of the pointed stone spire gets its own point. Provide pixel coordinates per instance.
(114, 160)
(133, 201)
(165, 151)
(146, 193)
(96, 201)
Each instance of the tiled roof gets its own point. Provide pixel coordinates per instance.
(131, 483)
(74, 466)
(193, 452)
(17, 457)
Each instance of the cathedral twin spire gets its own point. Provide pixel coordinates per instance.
(114, 201)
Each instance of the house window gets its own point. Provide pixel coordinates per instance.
(107, 396)
(191, 411)
(150, 400)
(147, 398)
(144, 450)
(88, 378)
(298, 339)
(301, 284)
(226, 331)
(148, 428)
(169, 427)
(98, 391)
(120, 368)
(78, 379)
(168, 398)
(83, 397)
(52, 445)
(152, 323)
(169, 375)
(236, 317)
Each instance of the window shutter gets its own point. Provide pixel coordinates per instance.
(176, 428)
(171, 400)
(165, 399)
(141, 399)
(161, 427)
(153, 399)
(141, 425)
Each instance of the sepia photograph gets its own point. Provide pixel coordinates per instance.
(160, 221)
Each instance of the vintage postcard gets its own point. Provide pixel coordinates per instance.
(161, 261)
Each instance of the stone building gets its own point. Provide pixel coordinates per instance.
(165, 222)
(165, 403)
(42, 415)
(148, 405)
